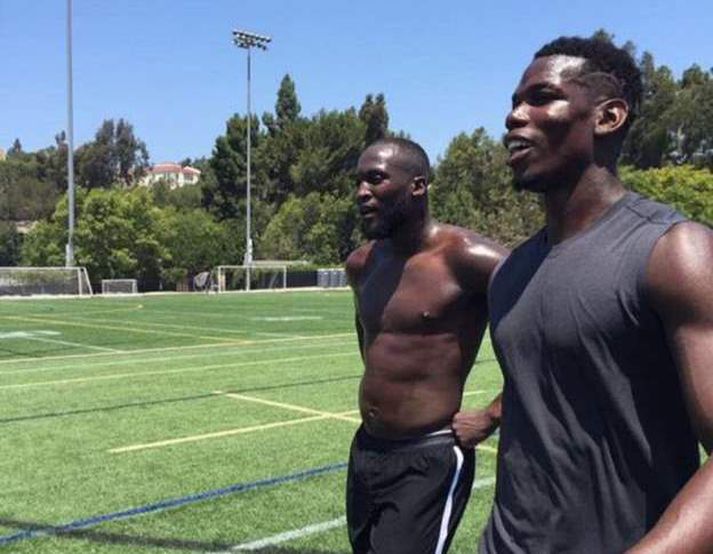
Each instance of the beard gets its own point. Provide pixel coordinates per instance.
(389, 219)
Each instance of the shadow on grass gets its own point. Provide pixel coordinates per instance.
(146, 542)
(115, 538)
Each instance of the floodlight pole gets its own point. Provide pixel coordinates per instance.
(69, 251)
(246, 40)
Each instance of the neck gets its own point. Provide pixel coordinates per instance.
(410, 237)
(569, 210)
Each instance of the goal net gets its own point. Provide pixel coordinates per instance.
(119, 286)
(27, 281)
(250, 277)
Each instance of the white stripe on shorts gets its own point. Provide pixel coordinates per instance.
(445, 520)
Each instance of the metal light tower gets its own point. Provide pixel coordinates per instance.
(244, 39)
(69, 250)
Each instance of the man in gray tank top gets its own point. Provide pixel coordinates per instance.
(603, 325)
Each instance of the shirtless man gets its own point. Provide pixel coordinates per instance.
(420, 297)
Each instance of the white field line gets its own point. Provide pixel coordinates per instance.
(173, 371)
(237, 350)
(226, 343)
(291, 407)
(81, 345)
(317, 528)
(229, 432)
(35, 319)
(147, 325)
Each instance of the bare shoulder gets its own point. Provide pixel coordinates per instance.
(680, 269)
(472, 256)
(356, 262)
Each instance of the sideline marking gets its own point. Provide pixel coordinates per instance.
(27, 334)
(226, 433)
(226, 343)
(79, 344)
(170, 503)
(239, 350)
(288, 318)
(36, 319)
(42, 335)
(172, 371)
(317, 528)
(292, 407)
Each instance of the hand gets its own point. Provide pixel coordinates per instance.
(473, 426)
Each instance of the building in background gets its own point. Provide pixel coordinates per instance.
(172, 174)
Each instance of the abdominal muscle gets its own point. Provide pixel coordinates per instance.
(412, 384)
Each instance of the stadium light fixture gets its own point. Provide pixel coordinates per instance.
(248, 41)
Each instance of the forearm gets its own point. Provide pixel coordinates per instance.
(494, 412)
(685, 527)
(474, 426)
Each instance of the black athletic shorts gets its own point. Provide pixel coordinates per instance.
(406, 497)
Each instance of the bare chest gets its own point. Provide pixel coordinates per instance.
(418, 296)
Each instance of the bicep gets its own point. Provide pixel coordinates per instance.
(680, 279)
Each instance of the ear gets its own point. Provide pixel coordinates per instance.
(611, 115)
(419, 186)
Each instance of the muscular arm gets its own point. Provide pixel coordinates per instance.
(353, 267)
(680, 284)
(478, 265)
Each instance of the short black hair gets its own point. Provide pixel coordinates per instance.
(603, 57)
(415, 155)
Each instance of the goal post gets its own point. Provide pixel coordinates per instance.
(30, 281)
(119, 286)
(250, 277)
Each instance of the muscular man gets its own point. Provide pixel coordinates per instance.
(603, 326)
(420, 296)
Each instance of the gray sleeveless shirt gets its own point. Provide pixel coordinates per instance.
(595, 441)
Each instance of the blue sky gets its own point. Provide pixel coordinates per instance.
(168, 66)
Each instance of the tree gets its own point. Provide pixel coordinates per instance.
(131, 153)
(688, 189)
(15, 150)
(115, 156)
(23, 195)
(317, 227)
(224, 193)
(472, 188)
(10, 244)
(192, 239)
(375, 117)
(287, 108)
(332, 144)
(117, 236)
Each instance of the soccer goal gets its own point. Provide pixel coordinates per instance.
(251, 277)
(29, 281)
(119, 286)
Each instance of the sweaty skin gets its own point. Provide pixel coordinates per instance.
(420, 298)
(561, 145)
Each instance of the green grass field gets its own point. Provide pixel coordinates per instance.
(188, 423)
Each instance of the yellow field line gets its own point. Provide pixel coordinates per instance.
(329, 415)
(292, 407)
(227, 433)
(227, 342)
(173, 371)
